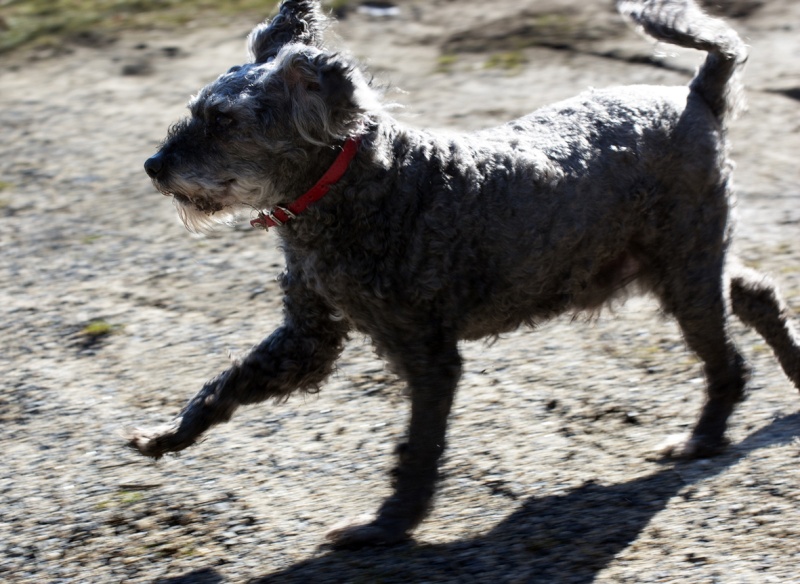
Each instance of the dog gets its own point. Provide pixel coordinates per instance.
(420, 240)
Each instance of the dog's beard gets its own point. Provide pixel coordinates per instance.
(203, 206)
(198, 221)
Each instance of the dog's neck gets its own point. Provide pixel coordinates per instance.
(279, 215)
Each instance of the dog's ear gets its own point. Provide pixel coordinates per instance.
(297, 21)
(329, 96)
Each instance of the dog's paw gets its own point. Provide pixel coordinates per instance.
(158, 440)
(689, 447)
(361, 532)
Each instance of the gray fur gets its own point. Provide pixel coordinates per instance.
(430, 238)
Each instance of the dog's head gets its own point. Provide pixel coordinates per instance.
(256, 131)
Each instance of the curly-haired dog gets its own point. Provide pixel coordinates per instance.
(421, 239)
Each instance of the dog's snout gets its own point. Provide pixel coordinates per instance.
(154, 165)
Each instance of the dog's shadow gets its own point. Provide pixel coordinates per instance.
(564, 538)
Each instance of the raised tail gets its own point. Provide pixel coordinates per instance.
(683, 23)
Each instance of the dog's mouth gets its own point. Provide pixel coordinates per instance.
(205, 198)
(202, 215)
(207, 206)
(201, 211)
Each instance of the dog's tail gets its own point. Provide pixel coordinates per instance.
(683, 23)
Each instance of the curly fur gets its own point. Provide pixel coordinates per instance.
(430, 238)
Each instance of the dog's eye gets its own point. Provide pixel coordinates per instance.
(222, 121)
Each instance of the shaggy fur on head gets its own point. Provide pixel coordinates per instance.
(431, 238)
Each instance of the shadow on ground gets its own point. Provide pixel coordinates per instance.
(566, 538)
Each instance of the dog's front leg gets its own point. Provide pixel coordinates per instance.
(432, 371)
(297, 356)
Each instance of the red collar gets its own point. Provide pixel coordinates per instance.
(280, 215)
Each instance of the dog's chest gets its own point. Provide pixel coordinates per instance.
(345, 279)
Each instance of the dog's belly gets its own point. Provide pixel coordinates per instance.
(575, 291)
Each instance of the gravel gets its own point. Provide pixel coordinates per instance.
(111, 315)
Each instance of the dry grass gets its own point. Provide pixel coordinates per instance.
(42, 22)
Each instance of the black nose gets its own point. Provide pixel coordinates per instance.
(154, 165)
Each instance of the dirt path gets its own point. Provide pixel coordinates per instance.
(111, 314)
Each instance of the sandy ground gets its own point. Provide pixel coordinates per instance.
(111, 314)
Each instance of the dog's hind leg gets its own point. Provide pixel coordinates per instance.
(432, 369)
(694, 293)
(755, 299)
(298, 356)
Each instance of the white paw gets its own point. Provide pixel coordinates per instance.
(154, 441)
(673, 444)
(689, 447)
